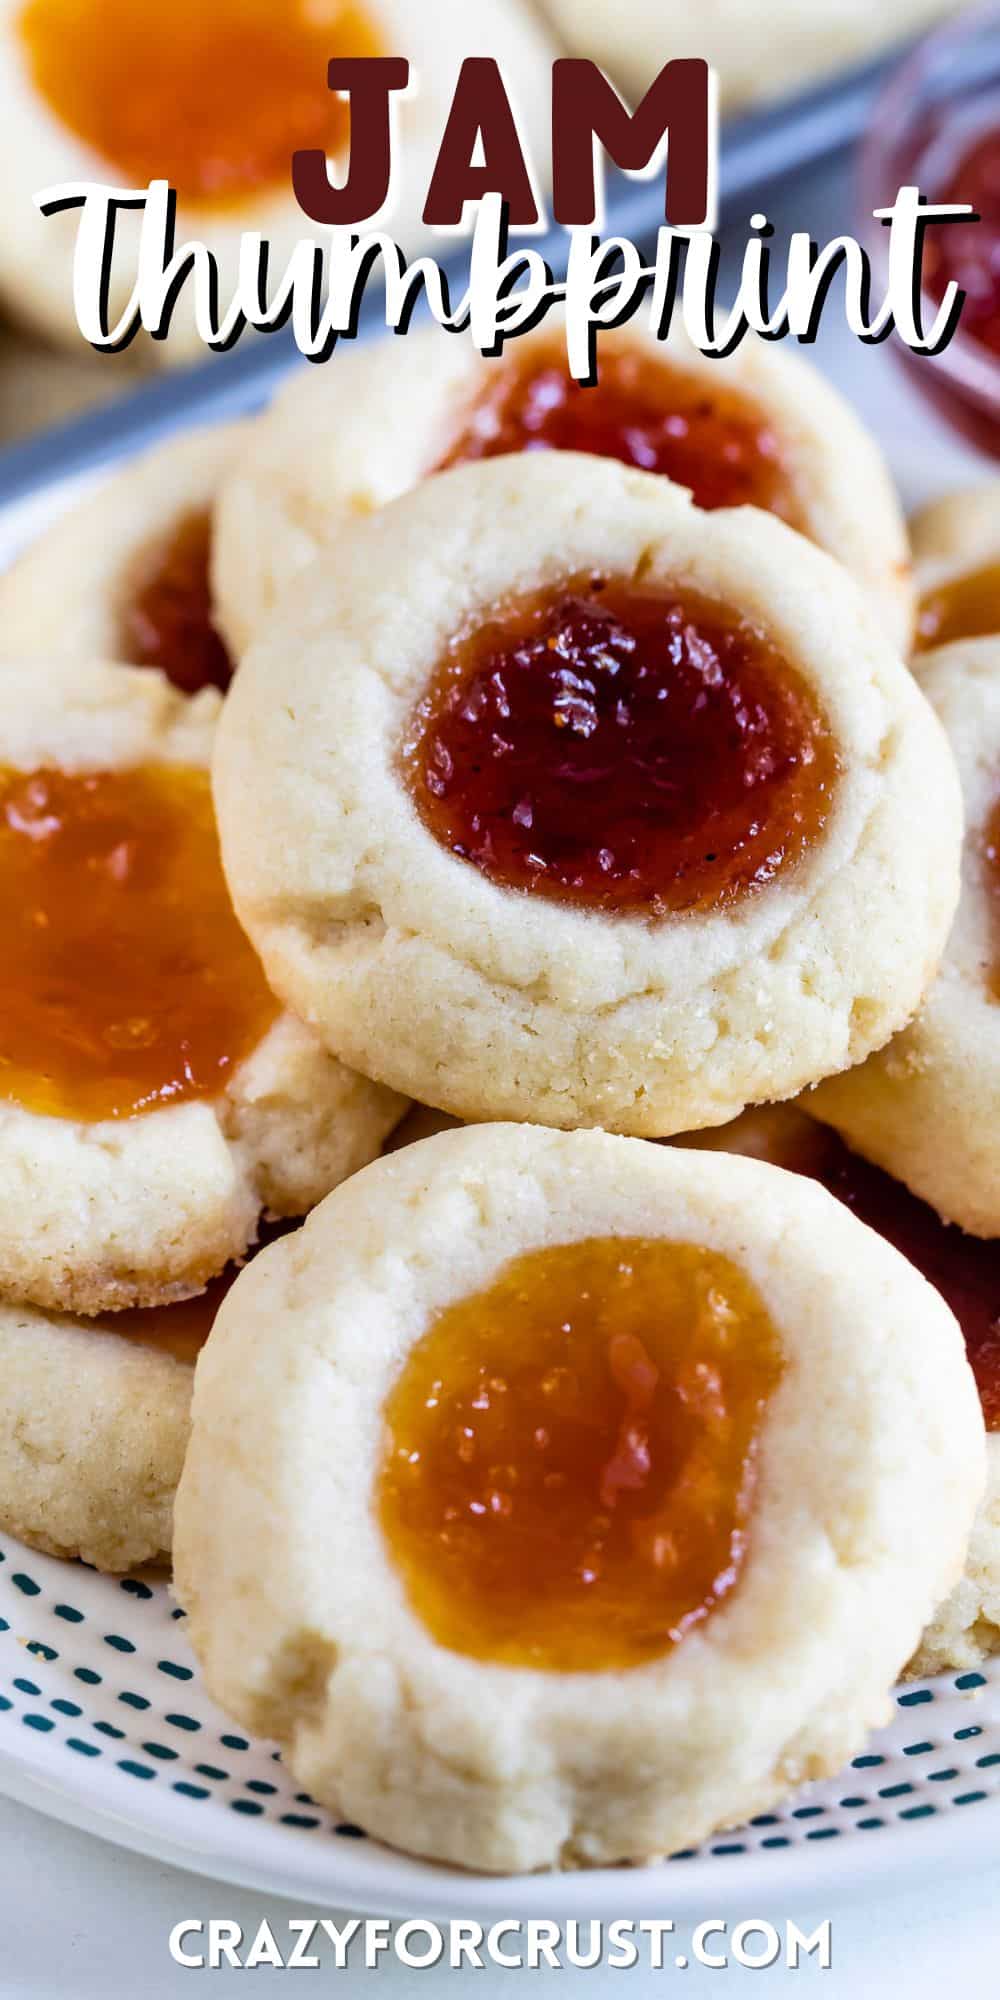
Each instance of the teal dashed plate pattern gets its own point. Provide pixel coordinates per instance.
(103, 1722)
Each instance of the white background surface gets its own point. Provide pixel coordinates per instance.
(81, 1918)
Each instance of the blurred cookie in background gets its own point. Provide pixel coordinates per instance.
(42, 385)
(759, 52)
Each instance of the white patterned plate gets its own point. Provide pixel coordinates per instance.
(103, 1722)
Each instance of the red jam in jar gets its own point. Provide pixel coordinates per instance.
(968, 253)
(570, 1456)
(166, 618)
(646, 412)
(622, 748)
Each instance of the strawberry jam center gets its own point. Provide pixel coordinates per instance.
(571, 1455)
(130, 984)
(212, 95)
(621, 748)
(642, 410)
(166, 619)
(966, 608)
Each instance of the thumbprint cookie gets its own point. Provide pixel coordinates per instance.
(759, 428)
(155, 1098)
(631, 41)
(94, 1425)
(126, 574)
(569, 796)
(956, 560)
(965, 1628)
(522, 1544)
(927, 1106)
(215, 100)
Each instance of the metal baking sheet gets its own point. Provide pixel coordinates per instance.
(756, 149)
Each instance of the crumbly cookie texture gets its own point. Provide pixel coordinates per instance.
(37, 151)
(300, 1619)
(93, 1430)
(343, 440)
(140, 1211)
(927, 1107)
(965, 1629)
(64, 597)
(803, 43)
(488, 1002)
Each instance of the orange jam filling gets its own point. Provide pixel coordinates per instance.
(571, 1455)
(166, 617)
(130, 984)
(212, 95)
(622, 748)
(966, 608)
(642, 410)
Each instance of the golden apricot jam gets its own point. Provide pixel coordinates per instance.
(966, 608)
(570, 1456)
(130, 984)
(212, 95)
(183, 1328)
(621, 748)
(166, 617)
(643, 410)
(964, 1269)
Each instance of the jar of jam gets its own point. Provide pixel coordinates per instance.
(936, 125)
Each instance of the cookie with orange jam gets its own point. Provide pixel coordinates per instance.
(759, 428)
(155, 1098)
(956, 558)
(927, 1106)
(215, 100)
(547, 1568)
(126, 574)
(570, 796)
(965, 1628)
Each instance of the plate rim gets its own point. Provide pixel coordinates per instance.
(401, 1885)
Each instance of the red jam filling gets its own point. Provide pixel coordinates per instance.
(166, 620)
(642, 410)
(130, 984)
(622, 748)
(212, 95)
(570, 1456)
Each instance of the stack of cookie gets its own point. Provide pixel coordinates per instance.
(553, 1496)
